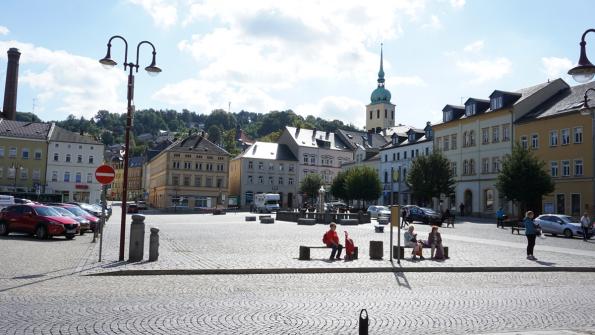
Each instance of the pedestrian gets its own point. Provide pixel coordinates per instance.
(404, 217)
(435, 243)
(531, 231)
(331, 240)
(500, 218)
(462, 208)
(585, 223)
(445, 216)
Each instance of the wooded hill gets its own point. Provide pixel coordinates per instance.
(220, 125)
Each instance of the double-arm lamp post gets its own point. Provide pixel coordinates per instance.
(152, 69)
(582, 73)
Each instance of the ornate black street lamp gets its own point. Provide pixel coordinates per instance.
(153, 70)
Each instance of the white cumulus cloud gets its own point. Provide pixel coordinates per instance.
(474, 47)
(484, 70)
(335, 108)
(434, 23)
(555, 67)
(457, 3)
(163, 12)
(4, 30)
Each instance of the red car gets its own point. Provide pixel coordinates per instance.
(39, 220)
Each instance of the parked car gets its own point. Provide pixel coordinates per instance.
(91, 209)
(131, 208)
(558, 224)
(423, 214)
(6, 200)
(142, 205)
(378, 211)
(76, 210)
(83, 223)
(39, 220)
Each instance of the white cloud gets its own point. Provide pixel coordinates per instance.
(335, 108)
(484, 70)
(457, 3)
(4, 30)
(474, 47)
(163, 12)
(79, 85)
(434, 23)
(555, 67)
(408, 81)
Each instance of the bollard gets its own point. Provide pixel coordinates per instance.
(376, 250)
(137, 238)
(363, 323)
(154, 245)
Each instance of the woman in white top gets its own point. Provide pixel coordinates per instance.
(412, 241)
(585, 224)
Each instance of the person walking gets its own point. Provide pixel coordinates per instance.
(585, 224)
(404, 217)
(500, 218)
(462, 208)
(531, 231)
(331, 239)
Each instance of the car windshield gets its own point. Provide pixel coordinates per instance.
(46, 211)
(428, 210)
(63, 211)
(88, 207)
(568, 218)
(76, 211)
(382, 208)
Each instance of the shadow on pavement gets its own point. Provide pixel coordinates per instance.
(545, 263)
(400, 276)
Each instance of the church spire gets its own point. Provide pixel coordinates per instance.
(381, 72)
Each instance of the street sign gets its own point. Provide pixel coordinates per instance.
(105, 174)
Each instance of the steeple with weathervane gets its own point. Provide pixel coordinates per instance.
(380, 113)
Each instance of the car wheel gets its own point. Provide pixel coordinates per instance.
(567, 233)
(41, 232)
(3, 229)
(69, 236)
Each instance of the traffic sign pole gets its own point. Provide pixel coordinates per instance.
(104, 174)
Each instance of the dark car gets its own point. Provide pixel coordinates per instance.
(39, 220)
(142, 205)
(422, 214)
(76, 210)
(83, 222)
(132, 208)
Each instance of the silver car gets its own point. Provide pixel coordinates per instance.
(558, 224)
(378, 211)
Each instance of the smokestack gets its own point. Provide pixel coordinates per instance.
(10, 90)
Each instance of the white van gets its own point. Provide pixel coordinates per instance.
(6, 200)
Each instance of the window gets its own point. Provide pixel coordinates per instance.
(489, 200)
(485, 165)
(404, 154)
(55, 176)
(446, 143)
(198, 180)
(89, 178)
(290, 181)
(472, 138)
(37, 155)
(534, 141)
(250, 165)
(12, 152)
(77, 178)
(472, 166)
(427, 151)
(495, 164)
(176, 164)
(505, 132)
(447, 116)
(79, 159)
(497, 102)
(260, 165)
(271, 167)
(312, 159)
(291, 168)
(578, 135)
(453, 168)
(565, 136)
(465, 139)
(465, 167)
(394, 156)
(554, 168)
(553, 138)
(91, 159)
(270, 180)
(453, 141)
(280, 180)
(66, 177)
(398, 155)
(67, 157)
(470, 109)
(175, 180)
(186, 180)
(56, 157)
(220, 182)
(209, 182)
(496, 134)
(187, 165)
(11, 173)
(24, 174)
(378, 113)
(36, 174)
(524, 143)
(485, 135)
(25, 153)
(385, 113)
(578, 167)
(439, 143)
(370, 115)
(260, 180)
(1, 152)
(565, 168)
(281, 166)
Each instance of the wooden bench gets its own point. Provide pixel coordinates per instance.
(402, 249)
(250, 218)
(305, 252)
(450, 221)
(379, 228)
(307, 222)
(267, 220)
(518, 228)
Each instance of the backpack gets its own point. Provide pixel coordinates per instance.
(326, 239)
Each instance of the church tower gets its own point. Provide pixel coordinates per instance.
(380, 113)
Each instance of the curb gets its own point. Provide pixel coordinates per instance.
(204, 272)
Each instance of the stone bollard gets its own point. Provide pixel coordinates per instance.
(137, 238)
(376, 250)
(154, 245)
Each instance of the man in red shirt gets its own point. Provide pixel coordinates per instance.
(331, 239)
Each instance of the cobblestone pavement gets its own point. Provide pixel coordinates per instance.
(405, 303)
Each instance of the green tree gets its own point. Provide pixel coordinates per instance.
(222, 119)
(214, 134)
(362, 183)
(311, 184)
(430, 176)
(27, 117)
(524, 178)
(339, 186)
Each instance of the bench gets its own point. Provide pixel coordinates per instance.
(402, 251)
(250, 218)
(305, 252)
(219, 212)
(260, 217)
(450, 221)
(349, 222)
(267, 220)
(306, 222)
(379, 229)
(518, 229)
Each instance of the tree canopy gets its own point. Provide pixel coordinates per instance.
(430, 176)
(524, 178)
(357, 183)
(311, 184)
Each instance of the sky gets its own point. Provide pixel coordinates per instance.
(316, 58)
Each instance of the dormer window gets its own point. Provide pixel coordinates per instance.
(429, 134)
(497, 102)
(394, 140)
(470, 109)
(447, 116)
(411, 137)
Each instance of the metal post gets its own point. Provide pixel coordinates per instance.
(126, 152)
(102, 221)
(593, 162)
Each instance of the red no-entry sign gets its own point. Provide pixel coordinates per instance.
(105, 174)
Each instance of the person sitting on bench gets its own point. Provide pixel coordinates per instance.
(331, 239)
(412, 242)
(435, 243)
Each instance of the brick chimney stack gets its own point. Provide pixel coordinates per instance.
(9, 111)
